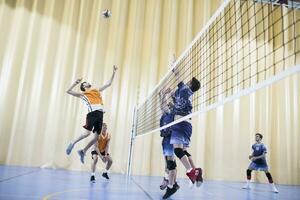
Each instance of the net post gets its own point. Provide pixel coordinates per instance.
(132, 136)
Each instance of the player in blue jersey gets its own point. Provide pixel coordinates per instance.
(181, 132)
(258, 162)
(167, 117)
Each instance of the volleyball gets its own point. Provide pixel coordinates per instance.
(106, 13)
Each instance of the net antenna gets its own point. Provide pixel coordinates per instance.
(245, 46)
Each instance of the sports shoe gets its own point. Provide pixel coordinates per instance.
(274, 189)
(93, 180)
(164, 184)
(191, 185)
(69, 148)
(199, 179)
(246, 186)
(81, 155)
(176, 185)
(192, 175)
(169, 192)
(105, 175)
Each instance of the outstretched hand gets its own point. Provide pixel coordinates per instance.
(168, 90)
(115, 68)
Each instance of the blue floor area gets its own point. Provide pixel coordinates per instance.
(45, 184)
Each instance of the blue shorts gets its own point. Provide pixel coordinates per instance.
(181, 133)
(168, 149)
(258, 167)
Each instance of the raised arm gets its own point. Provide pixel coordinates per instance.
(175, 69)
(163, 98)
(73, 93)
(110, 81)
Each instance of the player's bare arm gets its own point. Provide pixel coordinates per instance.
(73, 93)
(110, 81)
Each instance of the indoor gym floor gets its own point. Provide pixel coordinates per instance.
(46, 184)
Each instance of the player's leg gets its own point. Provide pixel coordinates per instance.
(199, 180)
(179, 152)
(108, 161)
(270, 179)
(165, 180)
(71, 145)
(248, 175)
(172, 187)
(93, 165)
(82, 152)
(171, 165)
(89, 124)
(168, 151)
(96, 121)
(189, 157)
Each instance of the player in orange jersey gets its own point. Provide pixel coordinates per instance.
(101, 148)
(94, 119)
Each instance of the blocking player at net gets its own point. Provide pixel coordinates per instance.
(181, 132)
(167, 117)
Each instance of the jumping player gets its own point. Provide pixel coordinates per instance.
(258, 162)
(94, 119)
(169, 180)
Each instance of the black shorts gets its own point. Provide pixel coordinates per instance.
(103, 154)
(94, 121)
(95, 153)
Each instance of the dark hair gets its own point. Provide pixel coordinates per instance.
(195, 84)
(260, 135)
(82, 88)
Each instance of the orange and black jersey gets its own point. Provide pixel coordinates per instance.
(93, 99)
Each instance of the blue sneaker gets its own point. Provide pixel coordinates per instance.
(81, 155)
(69, 148)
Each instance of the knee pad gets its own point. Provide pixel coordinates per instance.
(187, 153)
(249, 172)
(171, 165)
(179, 152)
(269, 176)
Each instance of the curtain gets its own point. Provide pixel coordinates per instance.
(46, 45)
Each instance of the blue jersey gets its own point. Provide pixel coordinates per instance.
(258, 150)
(165, 119)
(182, 100)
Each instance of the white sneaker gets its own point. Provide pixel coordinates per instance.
(246, 186)
(198, 183)
(274, 189)
(191, 185)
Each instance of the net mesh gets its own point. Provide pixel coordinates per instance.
(246, 43)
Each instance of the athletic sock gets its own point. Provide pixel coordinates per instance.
(189, 170)
(166, 176)
(93, 174)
